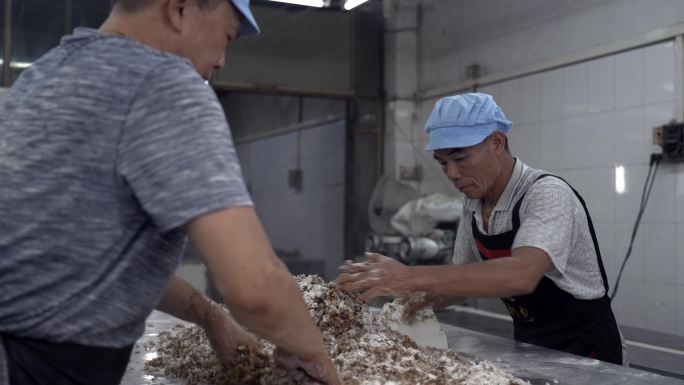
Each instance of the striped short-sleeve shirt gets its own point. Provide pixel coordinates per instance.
(551, 219)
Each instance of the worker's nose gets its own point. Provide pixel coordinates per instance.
(452, 171)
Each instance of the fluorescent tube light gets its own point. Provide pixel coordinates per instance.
(620, 185)
(308, 3)
(18, 64)
(349, 4)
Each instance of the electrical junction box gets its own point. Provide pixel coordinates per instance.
(670, 138)
(295, 179)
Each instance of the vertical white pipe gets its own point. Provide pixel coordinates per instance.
(679, 78)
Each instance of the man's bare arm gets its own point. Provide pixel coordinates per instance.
(502, 277)
(189, 304)
(256, 286)
(183, 301)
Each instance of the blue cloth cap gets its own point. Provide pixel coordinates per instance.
(249, 27)
(464, 120)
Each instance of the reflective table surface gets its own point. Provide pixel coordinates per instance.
(537, 365)
(540, 366)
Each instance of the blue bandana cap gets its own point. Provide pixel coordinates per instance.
(464, 120)
(249, 27)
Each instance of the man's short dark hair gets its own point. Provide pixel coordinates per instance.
(136, 5)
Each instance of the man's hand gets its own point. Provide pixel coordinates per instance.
(320, 368)
(378, 276)
(226, 336)
(189, 304)
(255, 284)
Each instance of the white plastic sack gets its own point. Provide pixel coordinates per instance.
(423, 214)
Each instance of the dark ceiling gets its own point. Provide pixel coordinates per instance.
(38, 25)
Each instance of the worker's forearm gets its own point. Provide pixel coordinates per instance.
(441, 301)
(256, 286)
(284, 319)
(498, 278)
(183, 301)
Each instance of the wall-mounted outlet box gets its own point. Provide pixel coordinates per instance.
(473, 72)
(295, 179)
(670, 137)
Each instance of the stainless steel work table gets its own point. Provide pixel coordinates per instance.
(540, 366)
(537, 365)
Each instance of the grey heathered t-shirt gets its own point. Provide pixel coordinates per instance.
(107, 149)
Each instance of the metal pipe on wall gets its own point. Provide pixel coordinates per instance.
(654, 37)
(380, 145)
(316, 123)
(679, 78)
(68, 23)
(419, 48)
(364, 132)
(350, 173)
(350, 223)
(7, 54)
(280, 90)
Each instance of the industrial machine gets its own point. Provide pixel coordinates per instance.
(410, 228)
(434, 247)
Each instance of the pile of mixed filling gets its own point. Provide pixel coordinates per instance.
(364, 348)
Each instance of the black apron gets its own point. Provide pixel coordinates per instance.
(33, 362)
(551, 317)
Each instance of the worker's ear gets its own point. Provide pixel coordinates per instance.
(175, 12)
(498, 140)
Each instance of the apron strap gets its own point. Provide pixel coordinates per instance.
(516, 225)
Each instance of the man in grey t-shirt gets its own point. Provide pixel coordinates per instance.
(525, 236)
(112, 149)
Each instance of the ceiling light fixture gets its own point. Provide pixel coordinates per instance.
(349, 4)
(18, 64)
(308, 3)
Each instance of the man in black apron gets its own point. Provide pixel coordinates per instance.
(525, 236)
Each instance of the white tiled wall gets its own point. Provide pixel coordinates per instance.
(405, 147)
(583, 120)
(580, 122)
(311, 221)
(506, 35)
